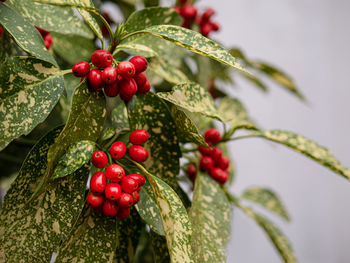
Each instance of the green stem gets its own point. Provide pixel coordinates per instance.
(112, 45)
(238, 138)
(132, 34)
(110, 142)
(184, 150)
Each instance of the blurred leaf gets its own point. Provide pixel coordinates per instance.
(164, 69)
(30, 88)
(149, 3)
(87, 4)
(119, 117)
(210, 215)
(92, 22)
(160, 249)
(136, 49)
(267, 199)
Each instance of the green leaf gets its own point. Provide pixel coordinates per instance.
(32, 232)
(307, 147)
(160, 249)
(192, 97)
(51, 18)
(276, 236)
(119, 117)
(152, 16)
(267, 199)
(25, 34)
(164, 69)
(85, 121)
(30, 88)
(136, 49)
(78, 154)
(87, 4)
(92, 22)
(193, 41)
(210, 216)
(94, 239)
(186, 129)
(152, 114)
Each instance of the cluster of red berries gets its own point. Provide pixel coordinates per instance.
(46, 36)
(126, 80)
(112, 193)
(190, 15)
(212, 160)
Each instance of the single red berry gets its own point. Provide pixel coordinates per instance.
(123, 213)
(136, 197)
(217, 156)
(109, 75)
(101, 58)
(138, 189)
(99, 159)
(98, 183)
(110, 208)
(113, 191)
(129, 185)
(145, 88)
(128, 86)
(189, 12)
(139, 136)
(219, 175)
(1, 31)
(212, 136)
(177, 9)
(48, 41)
(81, 69)
(186, 23)
(140, 64)
(215, 26)
(98, 210)
(205, 151)
(115, 172)
(206, 28)
(140, 179)
(125, 97)
(224, 163)
(42, 32)
(206, 163)
(183, 2)
(126, 69)
(140, 79)
(191, 171)
(207, 14)
(125, 200)
(138, 153)
(213, 93)
(118, 150)
(95, 79)
(95, 200)
(112, 90)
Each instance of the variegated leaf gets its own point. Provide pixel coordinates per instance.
(210, 215)
(186, 129)
(85, 121)
(8, 48)
(92, 22)
(108, 133)
(152, 16)
(119, 117)
(29, 89)
(136, 49)
(94, 239)
(164, 69)
(267, 199)
(24, 33)
(86, 4)
(78, 154)
(152, 114)
(51, 18)
(193, 41)
(31, 232)
(192, 97)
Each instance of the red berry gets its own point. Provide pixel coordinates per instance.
(1, 31)
(205, 151)
(128, 86)
(118, 150)
(95, 200)
(126, 69)
(189, 12)
(125, 97)
(206, 163)
(109, 75)
(212, 136)
(129, 185)
(219, 175)
(81, 69)
(186, 23)
(101, 58)
(95, 79)
(139, 136)
(115, 172)
(98, 210)
(215, 26)
(191, 171)
(42, 32)
(136, 197)
(99, 159)
(123, 213)
(112, 90)
(145, 88)
(206, 28)
(207, 14)
(177, 9)
(140, 179)
(140, 79)
(138, 153)
(113, 191)
(98, 183)
(138, 189)
(217, 156)
(110, 208)
(3, 1)
(224, 163)
(48, 41)
(140, 63)
(183, 2)
(125, 200)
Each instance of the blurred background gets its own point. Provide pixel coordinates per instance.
(310, 41)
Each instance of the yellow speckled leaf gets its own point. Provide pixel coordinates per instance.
(87, 4)
(92, 22)
(165, 70)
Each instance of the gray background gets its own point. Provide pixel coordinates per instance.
(310, 40)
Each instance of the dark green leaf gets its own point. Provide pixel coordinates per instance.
(30, 88)
(168, 72)
(160, 249)
(119, 117)
(92, 22)
(32, 232)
